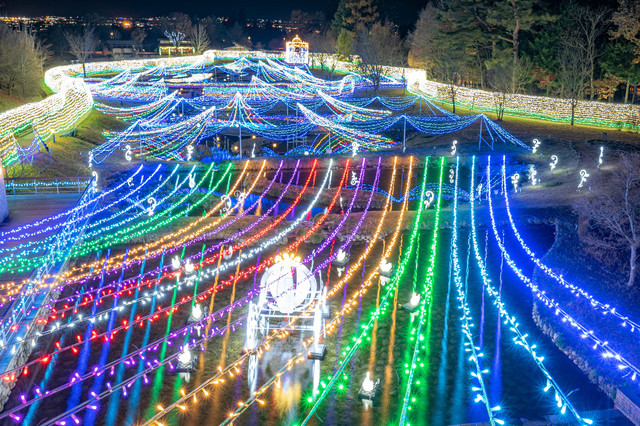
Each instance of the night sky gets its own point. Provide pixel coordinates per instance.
(402, 14)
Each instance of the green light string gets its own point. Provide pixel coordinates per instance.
(349, 351)
(157, 379)
(417, 335)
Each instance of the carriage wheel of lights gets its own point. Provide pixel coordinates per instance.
(288, 288)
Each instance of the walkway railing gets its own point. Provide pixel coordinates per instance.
(19, 326)
(61, 185)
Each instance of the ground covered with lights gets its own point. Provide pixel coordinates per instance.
(261, 245)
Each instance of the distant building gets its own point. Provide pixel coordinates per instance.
(297, 52)
(166, 48)
(120, 48)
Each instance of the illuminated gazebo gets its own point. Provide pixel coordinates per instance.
(297, 51)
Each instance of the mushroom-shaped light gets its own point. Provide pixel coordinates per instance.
(188, 267)
(385, 266)
(415, 299)
(175, 263)
(368, 384)
(185, 356)
(196, 312)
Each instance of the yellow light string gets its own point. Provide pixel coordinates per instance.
(352, 303)
(348, 307)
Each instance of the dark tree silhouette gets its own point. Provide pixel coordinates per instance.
(612, 211)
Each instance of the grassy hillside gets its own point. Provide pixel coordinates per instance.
(69, 154)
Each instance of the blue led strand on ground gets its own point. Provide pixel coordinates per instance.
(520, 339)
(603, 308)
(600, 345)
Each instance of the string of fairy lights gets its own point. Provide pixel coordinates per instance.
(603, 346)
(178, 270)
(520, 339)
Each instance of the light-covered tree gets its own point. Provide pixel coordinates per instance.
(199, 38)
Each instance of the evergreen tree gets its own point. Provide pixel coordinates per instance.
(344, 45)
(461, 38)
(339, 17)
(361, 12)
(618, 60)
(421, 44)
(508, 19)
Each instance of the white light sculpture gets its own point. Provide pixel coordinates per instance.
(153, 203)
(536, 145)
(185, 356)
(454, 148)
(532, 175)
(415, 299)
(515, 180)
(354, 148)
(368, 384)
(127, 154)
(95, 180)
(175, 263)
(600, 157)
(554, 162)
(583, 178)
(429, 197)
(354, 179)
(196, 312)
(188, 267)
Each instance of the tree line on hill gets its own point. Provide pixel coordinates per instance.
(566, 49)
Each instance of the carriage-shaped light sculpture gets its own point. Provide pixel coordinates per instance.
(288, 289)
(297, 52)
